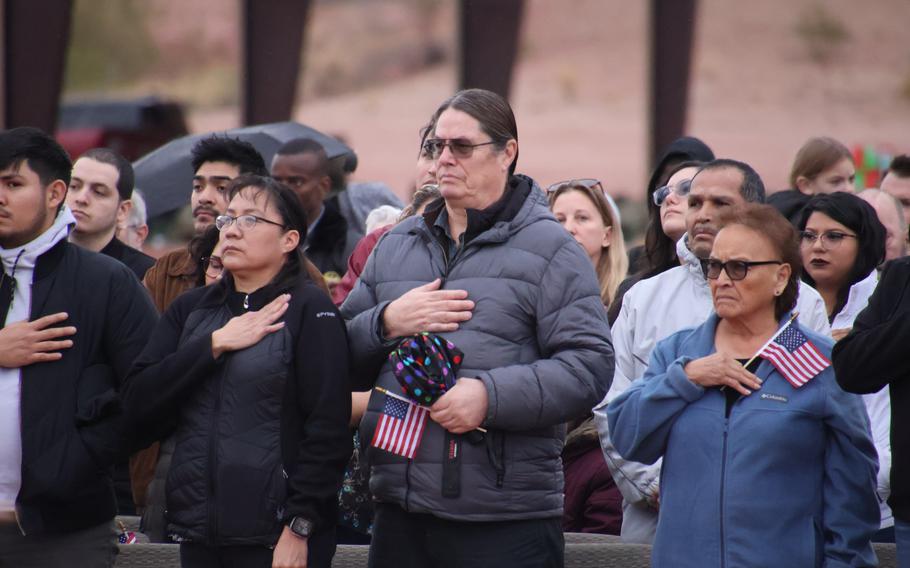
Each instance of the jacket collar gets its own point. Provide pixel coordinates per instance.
(687, 258)
(331, 231)
(857, 299)
(522, 203)
(35, 254)
(114, 249)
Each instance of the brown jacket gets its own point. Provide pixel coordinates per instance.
(173, 274)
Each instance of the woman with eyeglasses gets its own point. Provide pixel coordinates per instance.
(592, 218)
(761, 466)
(250, 375)
(842, 243)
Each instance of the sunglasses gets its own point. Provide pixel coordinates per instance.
(735, 269)
(662, 193)
(461, 148)
(587, 183)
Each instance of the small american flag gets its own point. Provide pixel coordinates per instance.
(127, 537)
(400, 427)
(795, 357)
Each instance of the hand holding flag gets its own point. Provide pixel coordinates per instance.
(793, 355)
(401, 425)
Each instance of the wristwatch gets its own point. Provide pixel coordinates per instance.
(301, 527)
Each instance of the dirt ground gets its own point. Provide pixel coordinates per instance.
(579, 91)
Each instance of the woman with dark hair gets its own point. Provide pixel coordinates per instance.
(250, 375)
(764, 463)
(202, 250)
(659, 251)
(842, 245)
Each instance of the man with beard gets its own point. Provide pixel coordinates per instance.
(669, 302)
(216, 161)
(71, 323)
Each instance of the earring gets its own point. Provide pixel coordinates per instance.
(778, 292)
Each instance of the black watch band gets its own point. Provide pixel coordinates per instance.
(301, 527)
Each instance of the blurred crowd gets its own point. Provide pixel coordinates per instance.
(459, 380)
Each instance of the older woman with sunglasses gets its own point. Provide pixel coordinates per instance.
(592, 218)
(766, 461)
(250, 375)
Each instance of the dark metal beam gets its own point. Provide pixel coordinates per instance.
(35, 38)
(273, 32)
(488, 46)
(672, 28)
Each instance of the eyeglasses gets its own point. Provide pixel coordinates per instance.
(212, 266)
(662, 193)
(735, 269)
(587, 183)
(245, 222)
(460, 147)
(830, 239)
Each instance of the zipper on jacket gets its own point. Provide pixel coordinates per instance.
(213, 466)
(723, 479)
(21, 459)
(445, 259)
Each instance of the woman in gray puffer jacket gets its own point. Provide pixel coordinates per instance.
(488, 267)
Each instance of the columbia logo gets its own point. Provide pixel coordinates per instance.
(325, 314)
(775, 397)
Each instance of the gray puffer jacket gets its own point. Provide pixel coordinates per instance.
(538, 340)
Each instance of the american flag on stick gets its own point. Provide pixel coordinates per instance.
(401, 426)
(794, 356)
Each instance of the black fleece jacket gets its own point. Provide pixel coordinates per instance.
(316, 403)
(873, 356)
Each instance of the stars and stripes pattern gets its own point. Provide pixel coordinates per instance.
(795, 357)
(400, 427)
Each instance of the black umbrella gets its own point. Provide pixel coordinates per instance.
(165, 176)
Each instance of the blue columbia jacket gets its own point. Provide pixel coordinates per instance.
(788, 479)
